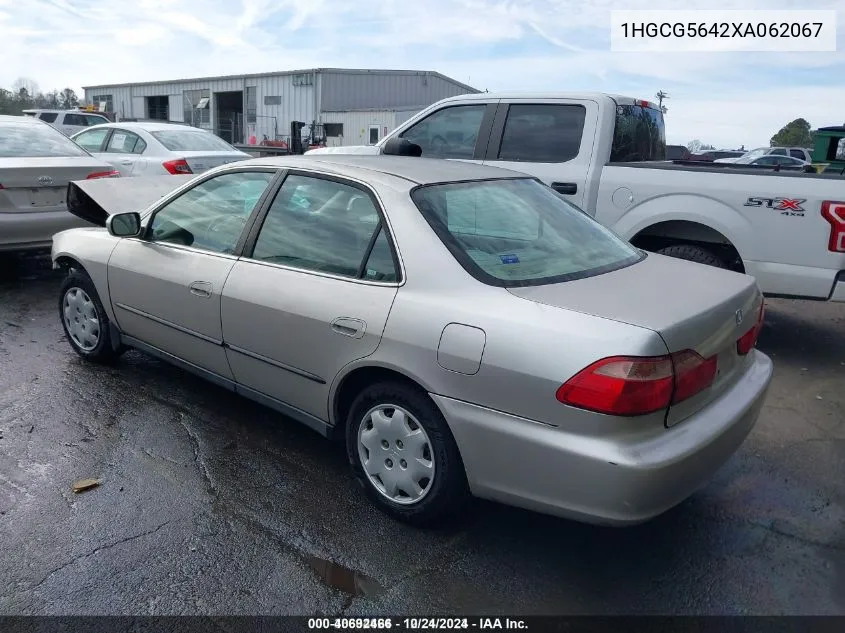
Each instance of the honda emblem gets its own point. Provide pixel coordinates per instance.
(45, 180)
(739, 317)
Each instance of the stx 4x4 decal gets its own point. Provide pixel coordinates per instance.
(786, 206)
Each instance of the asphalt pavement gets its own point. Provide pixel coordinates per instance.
(210, 504)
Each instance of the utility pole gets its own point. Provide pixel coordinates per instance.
(661, 96)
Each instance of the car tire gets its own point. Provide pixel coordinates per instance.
(84, 320)
(445, 493)
(695, 254)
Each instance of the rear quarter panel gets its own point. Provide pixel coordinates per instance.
(785, 251)
(90, 249)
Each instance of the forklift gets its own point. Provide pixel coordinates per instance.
(316, 137)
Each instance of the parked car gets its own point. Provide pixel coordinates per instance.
(747, 158)
(710, 156)
(463, 328)
(677, 152)
(155, 148)
(606, 154)
(772, 160)
(68, 122)
(36, 164)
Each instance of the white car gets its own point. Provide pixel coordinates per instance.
(68, 122)
(153, 149)
(795, 152)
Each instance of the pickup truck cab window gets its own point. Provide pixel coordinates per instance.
(448, 133)
(639, 135)
(543, 133)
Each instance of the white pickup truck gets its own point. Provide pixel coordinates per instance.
(606, 154)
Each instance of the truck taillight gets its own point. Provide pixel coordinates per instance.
(177, 167)
(834, 213)
(632, 385)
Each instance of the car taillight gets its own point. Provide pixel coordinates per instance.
(748, 340)
(104, 174)
(635, 385)
(834, 212)
(177, 167)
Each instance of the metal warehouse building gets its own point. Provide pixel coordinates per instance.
(356, 107)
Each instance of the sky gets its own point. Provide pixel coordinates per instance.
(724, 99)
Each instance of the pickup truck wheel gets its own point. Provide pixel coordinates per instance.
(695, 254)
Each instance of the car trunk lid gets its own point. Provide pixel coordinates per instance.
(203, 161)
(35, 184)
(691, 306)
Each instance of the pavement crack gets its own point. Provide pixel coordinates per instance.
(195, 443)
(96, 550)
(800, 539)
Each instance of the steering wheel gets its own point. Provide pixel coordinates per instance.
(222, 228)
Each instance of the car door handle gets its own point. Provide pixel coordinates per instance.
(354, 328)
(126, 162)
(568, 188)
(201, 288)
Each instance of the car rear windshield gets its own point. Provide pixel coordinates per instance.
(35, 140)
(191, 141)
(639, 135)
(519, 232)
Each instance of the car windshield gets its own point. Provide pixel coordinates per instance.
(35, 140)
(639, 135)
(519, 232)
(191, 141)
(751, 156)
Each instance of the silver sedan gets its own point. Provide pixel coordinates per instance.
(464, 329)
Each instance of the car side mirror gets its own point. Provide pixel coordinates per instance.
(398, 146)
(124, 224)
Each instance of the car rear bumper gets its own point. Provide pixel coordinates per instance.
(604, 480)
(34, 230)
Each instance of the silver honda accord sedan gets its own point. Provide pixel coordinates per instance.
(464, 329)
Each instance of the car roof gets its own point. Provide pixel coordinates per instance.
(11, 118)
(404, 172)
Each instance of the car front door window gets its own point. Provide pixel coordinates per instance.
(448, 133)
(212, 215)
(323, 226)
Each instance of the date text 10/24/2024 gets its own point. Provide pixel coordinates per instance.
(417, 624)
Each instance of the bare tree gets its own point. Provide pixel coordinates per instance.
(25, 83)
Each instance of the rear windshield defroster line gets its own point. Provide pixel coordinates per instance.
(517, 232)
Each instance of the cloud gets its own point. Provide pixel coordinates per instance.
(541, 45)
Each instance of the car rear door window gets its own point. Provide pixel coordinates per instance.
(212, 215)
(48, 117)
(74, 119)
(542, 133)
(92, 140)
(123, 142)
(448, 133)
(324, 226)
(92, 119)
(796, 153)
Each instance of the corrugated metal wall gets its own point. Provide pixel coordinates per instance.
(358, 98)
(384, 91)
(296, 103)
(356, 125)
